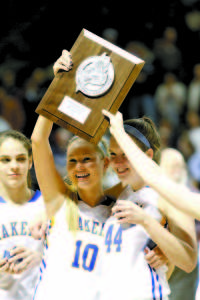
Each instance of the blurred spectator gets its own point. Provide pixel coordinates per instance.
(59, 141)
(4, 125)
(140, 97)
(142, 51)
(194, 168)
(192, 19)
(193, 100)
(167, 53)
(34, 88)
(193, 125)
(174, 165)
(111, 35)
(167, 135)
(9, 83)
(189, 2)
(192, 157)
(183, 285)
(12, 110)
(193, 130)
(170, 98)
(34, 85)
(184, 145)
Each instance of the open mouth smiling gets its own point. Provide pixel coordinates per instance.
(122, 171)
(82, 176)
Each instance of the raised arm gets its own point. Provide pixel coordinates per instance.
(50, 182)
(178, 195)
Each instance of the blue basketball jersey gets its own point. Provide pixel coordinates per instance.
(15, 222)
(125, 272)
(71, 266)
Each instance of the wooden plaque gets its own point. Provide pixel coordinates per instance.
(75, 99)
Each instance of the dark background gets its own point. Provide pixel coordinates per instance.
(46, 27)
(33, 33)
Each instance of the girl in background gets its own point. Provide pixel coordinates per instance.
(20, 253)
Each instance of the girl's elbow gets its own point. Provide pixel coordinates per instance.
(36, 138)
(190, 268)
(191, 264)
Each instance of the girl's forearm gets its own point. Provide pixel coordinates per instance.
(178, 252)
(42, 129)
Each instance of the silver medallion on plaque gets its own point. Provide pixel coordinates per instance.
(95, 75)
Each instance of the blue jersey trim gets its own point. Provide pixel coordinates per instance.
(33, 199)
(152, 283)
(36, 287)
(35, 196)
(160, 287)
(2, 200)
(43, 264)
(152, 271)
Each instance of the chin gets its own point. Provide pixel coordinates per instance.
(83, 184)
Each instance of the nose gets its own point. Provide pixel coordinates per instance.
(79, 165)
(119, 159)
(14, 165)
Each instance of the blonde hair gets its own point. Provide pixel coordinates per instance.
(72, 215)
(171, 159)
(102, 146)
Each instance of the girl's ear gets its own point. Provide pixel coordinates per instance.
(149, 153)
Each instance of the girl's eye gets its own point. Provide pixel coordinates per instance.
(5, 159)
(112, 154)
(86, 159)
(72, 160)
(21, 159)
